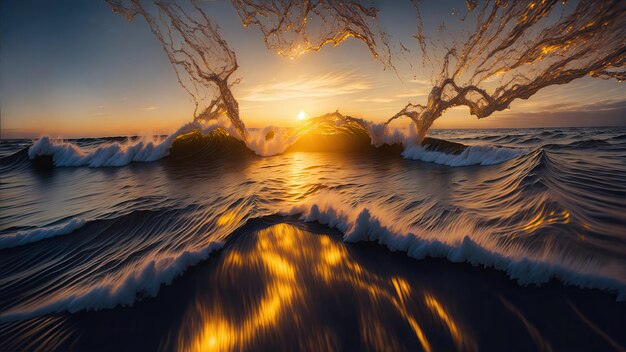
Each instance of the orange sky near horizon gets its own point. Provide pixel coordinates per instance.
(119, 82)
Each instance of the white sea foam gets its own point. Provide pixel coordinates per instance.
(147, 280)
(472, 155)
(118, 154)
(369, 224)
(38, 234)
(150, 148)
(381, 134)
(262, 146)
(361, 223)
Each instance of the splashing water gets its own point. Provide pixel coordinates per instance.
(203, 61)
(120, 154)
(553, 213)
(292, 28)
(524, 46)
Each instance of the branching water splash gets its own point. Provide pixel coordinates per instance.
(203, 61)
(292, 28)
(516, 49)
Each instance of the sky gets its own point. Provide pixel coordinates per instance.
(73, 68)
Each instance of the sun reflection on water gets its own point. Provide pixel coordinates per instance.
(552, 217)
(286, 269)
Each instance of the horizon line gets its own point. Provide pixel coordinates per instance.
(431, 129)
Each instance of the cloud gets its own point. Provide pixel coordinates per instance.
(310, 86)
(421, 81)
(571, 106)
(604, 105)
(150, 108)
(374, 100)
(608, 112)
(416, 95)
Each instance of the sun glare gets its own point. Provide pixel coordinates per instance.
(301, 115)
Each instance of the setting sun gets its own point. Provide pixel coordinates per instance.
(301, 115)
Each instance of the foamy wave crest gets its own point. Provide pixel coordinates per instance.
(381, 134)
(472, 155)
(272, 140)
(146, 281)
(118, 154)
(269, 141)
(369, 224)
(280, 140)
(34, 235)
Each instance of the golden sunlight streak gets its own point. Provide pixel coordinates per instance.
(288, 258)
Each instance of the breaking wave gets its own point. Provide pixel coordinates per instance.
(468, 244)
(38, 234)
(194, 139)
(112, 154)
(366, 224)
(147, 280)
(536, 215)
(472, 155)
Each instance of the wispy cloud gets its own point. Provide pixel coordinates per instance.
(416, 95)
(310, 86)
(609, 112)
(374, 100)
(421, 81)
(150, 108)
(603, 105)
(572, 106)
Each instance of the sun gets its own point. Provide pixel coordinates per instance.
(301, 115)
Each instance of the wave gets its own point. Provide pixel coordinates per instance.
(195, 146)
(116, 154)
(147, 281)
(584, 144)
(530, 140)
(471, 155)
(590, 143)
(16, 161)
(95, 286)
(465, 242)
(327, 133)
(541, 190)
(38, 234)
(621, 137)
(17, 157)
(368, 224)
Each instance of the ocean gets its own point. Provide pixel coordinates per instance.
(502, 239)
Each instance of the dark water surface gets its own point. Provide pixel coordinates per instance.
(138, 244)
